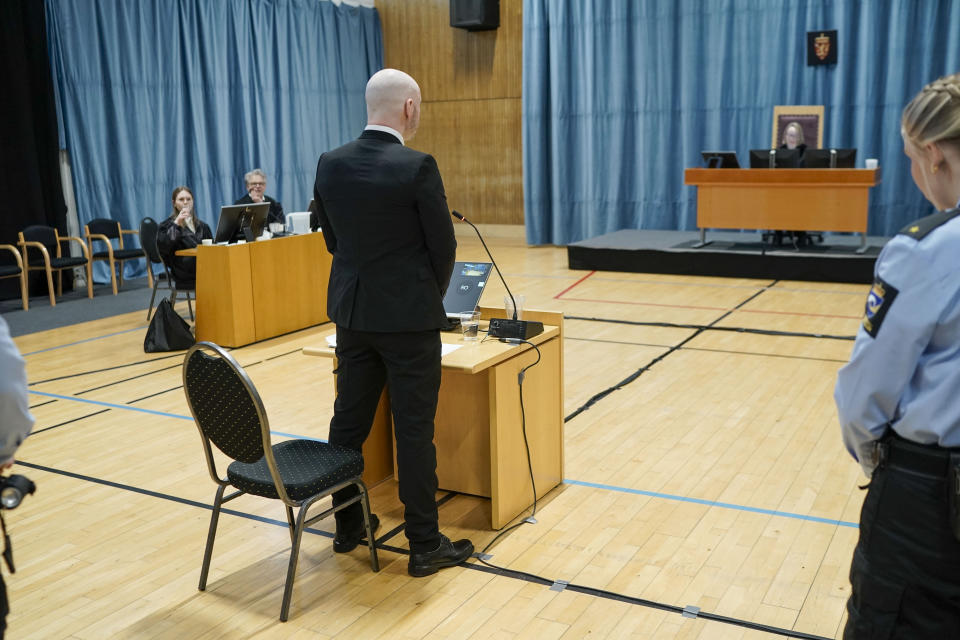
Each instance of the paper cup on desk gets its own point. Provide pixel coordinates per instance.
(508, 306)
(871, 163)
(206, 242)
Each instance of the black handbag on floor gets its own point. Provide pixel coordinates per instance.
(167, 331)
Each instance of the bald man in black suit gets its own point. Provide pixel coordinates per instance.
(384, 217)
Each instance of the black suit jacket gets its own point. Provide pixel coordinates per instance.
(385, 220)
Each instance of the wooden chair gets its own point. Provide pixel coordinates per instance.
(106, 230)
(16, 270)
(148, 240)
(47, 255)
(229, 413)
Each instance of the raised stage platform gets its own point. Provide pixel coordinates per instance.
(729, 254)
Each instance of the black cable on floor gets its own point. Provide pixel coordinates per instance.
(119, 366)
(486, 567)
(116, 382)
(636, 374)
(690, 612)
(89, 415)
(733, 351)
(711, 327)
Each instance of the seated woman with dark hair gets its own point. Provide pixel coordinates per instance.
(182, 230)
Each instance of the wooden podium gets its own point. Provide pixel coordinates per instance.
(258, 290)
(787, 199)
(479, 431)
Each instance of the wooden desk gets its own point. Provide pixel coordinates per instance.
(479, 434)
(789, 199)
(259, 290)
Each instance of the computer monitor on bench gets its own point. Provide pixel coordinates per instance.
(774, 158)
(720, 159)
(830, 158)
(241, 221)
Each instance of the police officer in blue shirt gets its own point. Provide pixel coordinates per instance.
(898, 400)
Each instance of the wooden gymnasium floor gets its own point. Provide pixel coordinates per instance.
(714, 477)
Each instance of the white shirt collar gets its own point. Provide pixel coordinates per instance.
(385, 129)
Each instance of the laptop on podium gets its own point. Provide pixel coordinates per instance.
(466, 287)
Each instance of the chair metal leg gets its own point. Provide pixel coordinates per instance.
(292, 567)
(211, 534)
(150, 308)
(189, 307)
(149, 274)
(290, 521)
(371, 542)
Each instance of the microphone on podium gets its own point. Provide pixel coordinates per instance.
(503, 327)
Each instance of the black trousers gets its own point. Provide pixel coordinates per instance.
(409, 364)
(906, 567)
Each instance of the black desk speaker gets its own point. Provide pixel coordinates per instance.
(475, 15)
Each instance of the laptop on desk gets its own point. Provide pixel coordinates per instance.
(466, 287)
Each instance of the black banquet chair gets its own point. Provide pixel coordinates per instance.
(148, 240)
(106, 231)
(229, 413)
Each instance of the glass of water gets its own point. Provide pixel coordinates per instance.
(470, 325)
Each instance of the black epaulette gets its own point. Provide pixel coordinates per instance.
(922, 227)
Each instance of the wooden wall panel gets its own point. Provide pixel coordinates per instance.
(477, 147)
(471, 86)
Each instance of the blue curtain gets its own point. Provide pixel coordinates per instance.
(619, 96)
(154, 94)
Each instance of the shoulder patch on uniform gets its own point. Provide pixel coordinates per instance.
(920, 228)
(879, 300)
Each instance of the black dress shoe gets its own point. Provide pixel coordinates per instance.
(344, 542)
(449, 554)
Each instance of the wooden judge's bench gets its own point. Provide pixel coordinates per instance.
(259, 290)
(783, 199)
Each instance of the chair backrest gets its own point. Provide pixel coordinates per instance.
(104, 227)
(148, 239)
(47, 236)
(224, 403)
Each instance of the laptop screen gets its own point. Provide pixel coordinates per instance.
(466, 287)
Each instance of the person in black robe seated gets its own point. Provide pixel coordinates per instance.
(182, 230)
(793, 139)
(256, 182)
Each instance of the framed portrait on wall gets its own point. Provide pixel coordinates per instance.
(810, 119)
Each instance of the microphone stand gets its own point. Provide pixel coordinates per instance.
(504, 328)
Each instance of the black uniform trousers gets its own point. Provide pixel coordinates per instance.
(409, 364)
(906, 567)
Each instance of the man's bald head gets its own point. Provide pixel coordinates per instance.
(393, 100)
